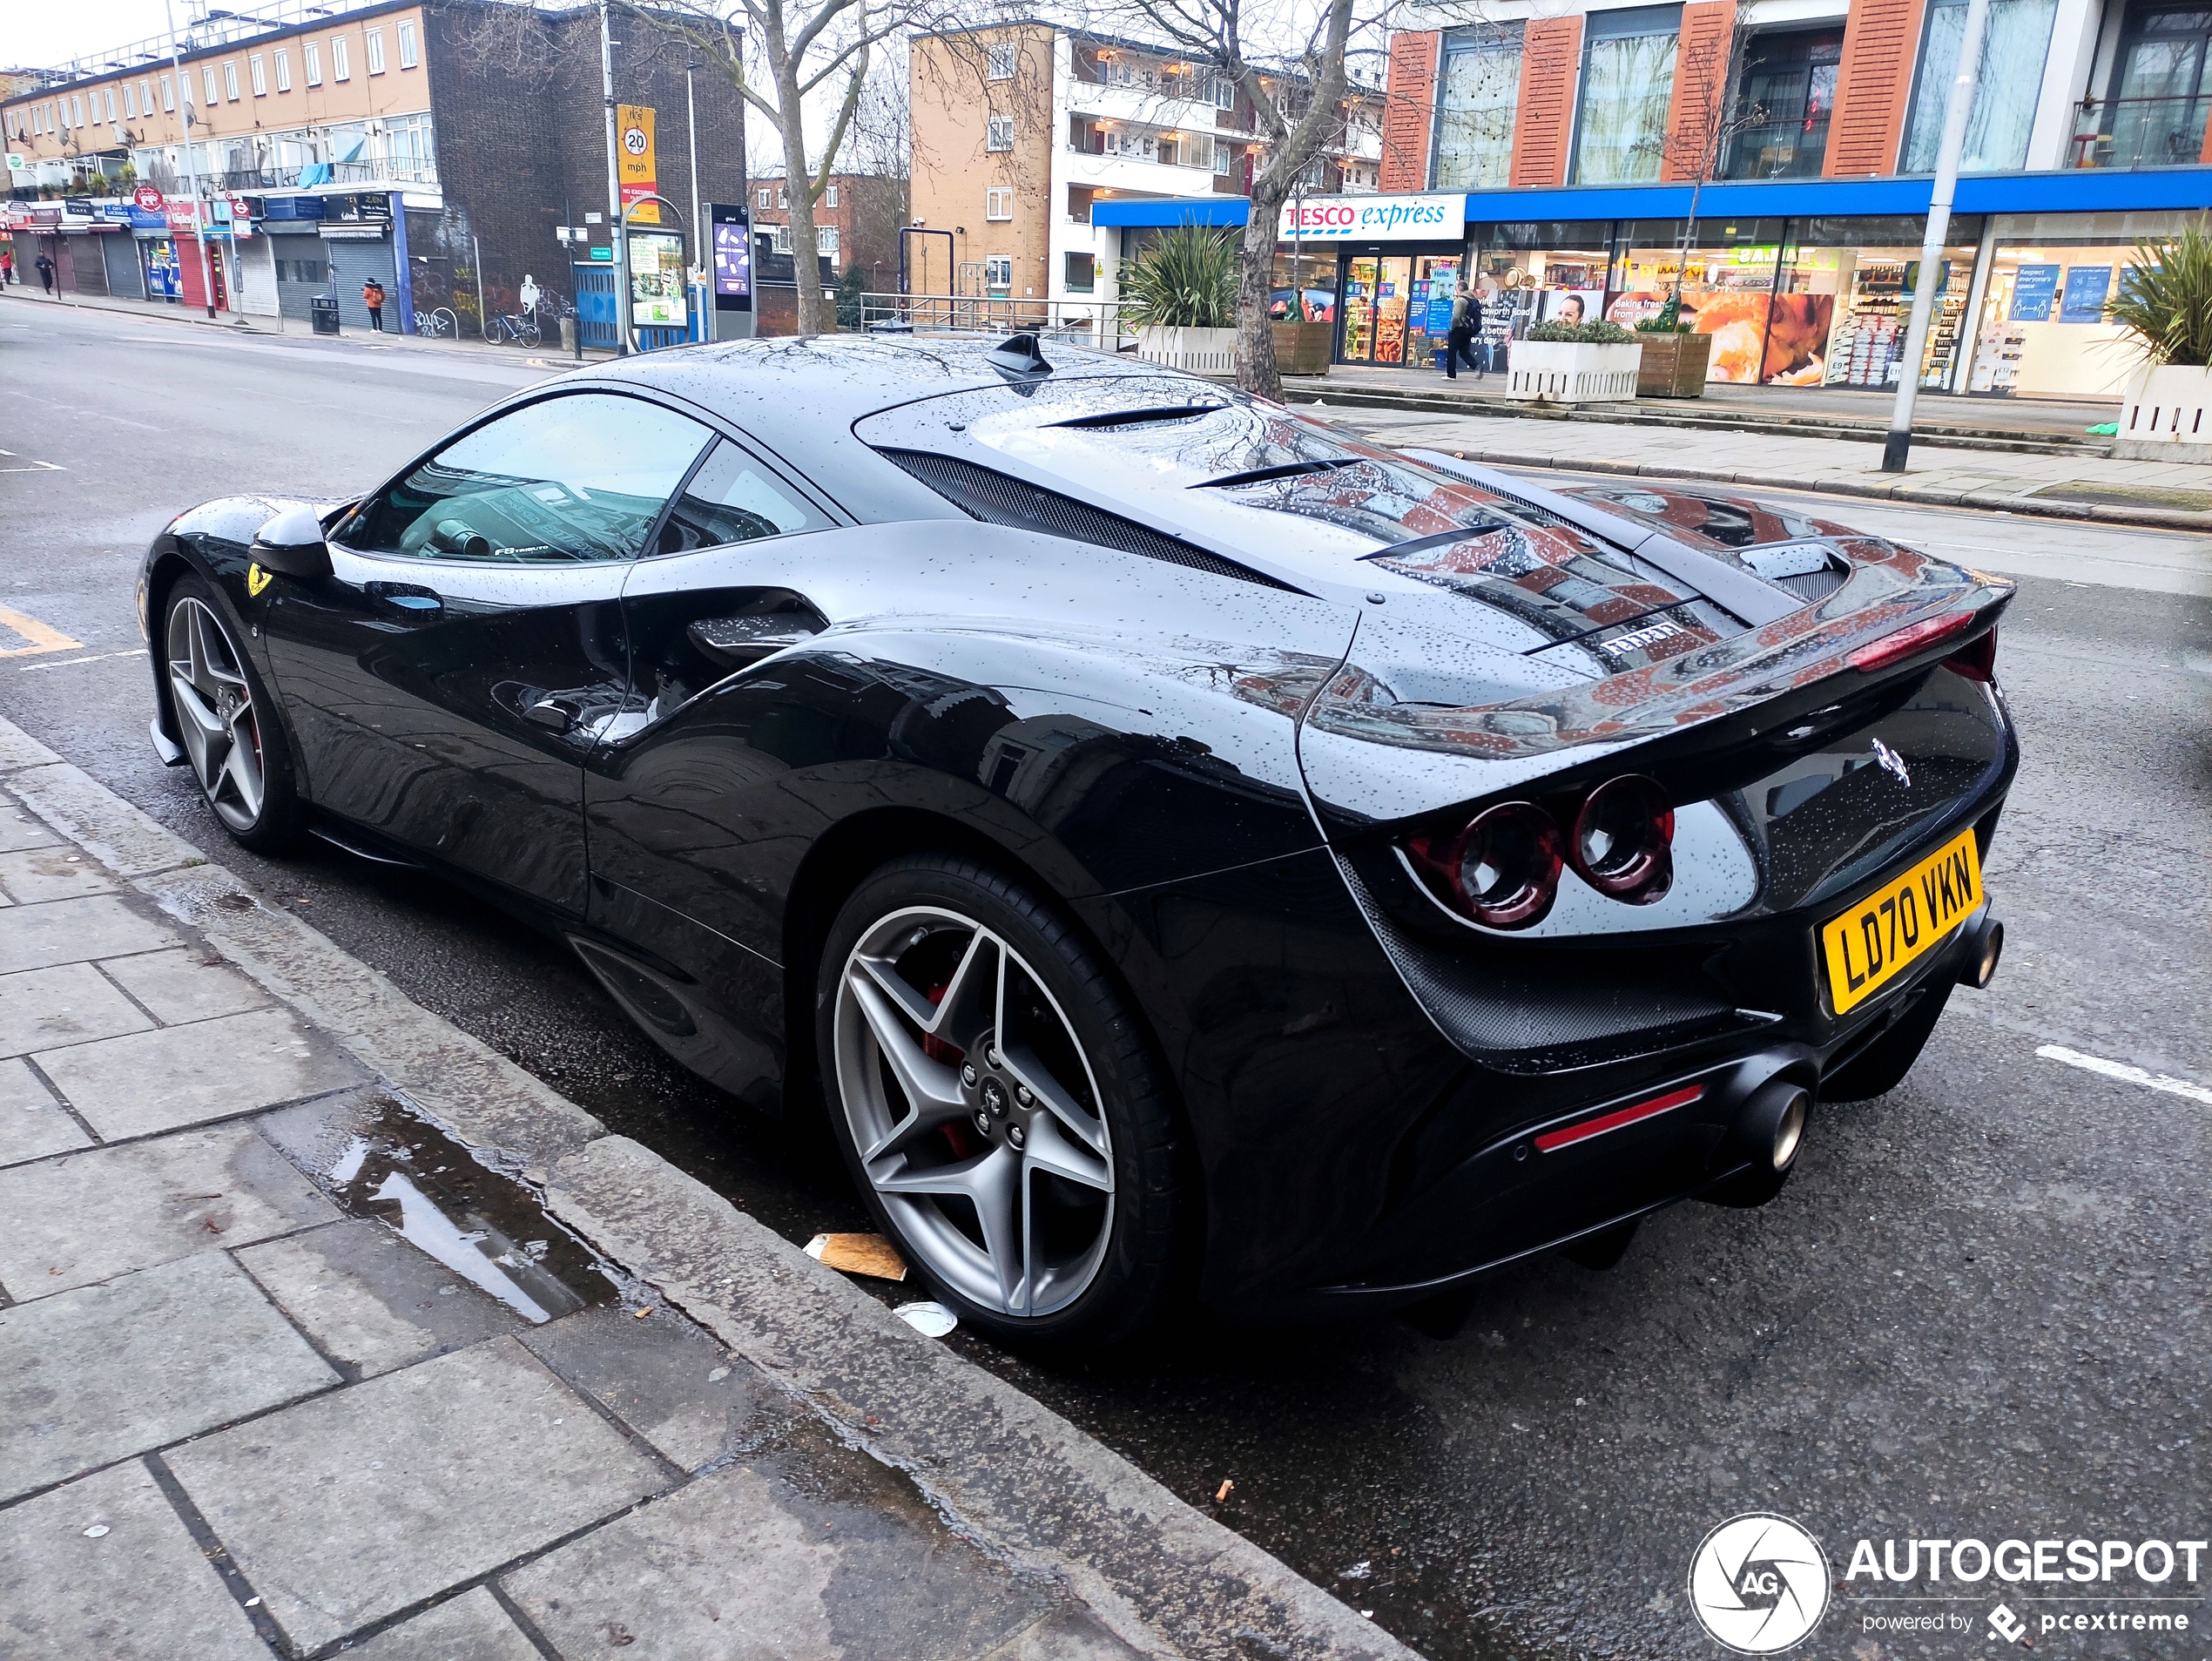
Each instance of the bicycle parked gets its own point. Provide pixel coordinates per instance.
(514, 329)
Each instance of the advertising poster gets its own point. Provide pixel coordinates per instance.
(638, 170)
(657, 295)
(2032, 291)
(2087, 288)
(732, 260)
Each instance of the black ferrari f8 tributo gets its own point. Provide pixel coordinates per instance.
(1180, 846)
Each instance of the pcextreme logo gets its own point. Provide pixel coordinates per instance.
(1758, 1584)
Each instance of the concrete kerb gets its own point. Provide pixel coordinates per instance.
(1005, 1472)
(1899, 490)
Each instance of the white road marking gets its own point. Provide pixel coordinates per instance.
(63, 663)
(30, 466)
(2125, 1073)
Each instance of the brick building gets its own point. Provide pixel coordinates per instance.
(400, 139)
(857, 221)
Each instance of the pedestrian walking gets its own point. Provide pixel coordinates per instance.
(1467, 322)
(373, 297)
(46, 263)
(7, 268)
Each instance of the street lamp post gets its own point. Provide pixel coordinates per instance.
(1898, 442)
(200, 216)
(692, 125)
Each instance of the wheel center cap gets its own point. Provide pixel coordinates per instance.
(996, 1100)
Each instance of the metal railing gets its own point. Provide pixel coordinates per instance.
(2140, 132)
(1778, 150)
(1095, 324)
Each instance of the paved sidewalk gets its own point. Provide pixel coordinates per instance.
(323, 1328)
(2169, 495)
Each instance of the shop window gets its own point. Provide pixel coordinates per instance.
(311, 60)
(283, 70)
(2011, 80)
(409, 57)
(998, 202)
(1001, 64)
(999, 132)
(2043, 331)
(1082, 272)
(1627, 80)
(1789, 94)
(1475, 108)
(998, 271)
(258, 72)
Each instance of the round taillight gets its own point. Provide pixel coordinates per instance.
(1623, 841)
(1503, 868)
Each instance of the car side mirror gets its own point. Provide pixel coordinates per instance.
(292, 543)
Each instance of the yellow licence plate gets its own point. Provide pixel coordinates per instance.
(1907, 917)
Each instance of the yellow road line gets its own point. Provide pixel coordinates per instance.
(42, 639)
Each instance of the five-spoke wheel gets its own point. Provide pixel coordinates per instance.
(995, 1101)
(236, 755)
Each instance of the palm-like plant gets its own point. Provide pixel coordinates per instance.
(2165, 298)
(1186, 280)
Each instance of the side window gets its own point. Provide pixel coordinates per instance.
(580, 478)
(730, 499)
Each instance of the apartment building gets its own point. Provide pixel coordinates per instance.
(1576, 138)
(438, 148)
(1024, 131)
(857, 221)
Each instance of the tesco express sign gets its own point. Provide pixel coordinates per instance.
(1374, 219)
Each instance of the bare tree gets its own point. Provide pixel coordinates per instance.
(1288, 64)
(818, 51)
(1711, 114)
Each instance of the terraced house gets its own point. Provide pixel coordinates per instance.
(436, 146)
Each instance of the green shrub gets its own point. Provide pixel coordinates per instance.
(1597, 333)
(1660, 325)
(2165, 298)
(1186, 280)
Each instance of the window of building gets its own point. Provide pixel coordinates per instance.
(341, 67)
(2012, 55)
(408, 57)
(229, 80)
(783, 196)
(1001, 62)
(567, 478)
(1083, 273)
(780, 239)
(207, 77)
(1476, 107)
(168, 94)
(76, 109)
(408, 139)
(283, 69)
(826, 240)
(258, 72)
(767, 197)
(1224, 160)
(1627, 79)
(1225, 93)
(2153, 113)
(107, 96)
(999, 132)
(998, 271)
(829, 197)
(373, 39)
(1790, 83)
(311, 60)
(130, 99)
(998, 202)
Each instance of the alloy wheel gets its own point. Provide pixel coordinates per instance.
(975, 1111)
(215, 714)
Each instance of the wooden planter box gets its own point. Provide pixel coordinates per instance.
(1302, 349)
(1673, 366)
(1565, 372)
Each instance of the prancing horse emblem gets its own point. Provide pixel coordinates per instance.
(1893, 762)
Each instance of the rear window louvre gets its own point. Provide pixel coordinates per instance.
(996, 499)
(1142, 417)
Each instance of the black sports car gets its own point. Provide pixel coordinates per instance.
(1180, 845)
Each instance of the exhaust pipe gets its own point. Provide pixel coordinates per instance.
(1772, 1127)
(1984, 946)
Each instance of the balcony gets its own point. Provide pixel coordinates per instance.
(2138, 132)
(1792, 149)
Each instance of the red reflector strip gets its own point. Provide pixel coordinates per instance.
(1915, 637)
(1618, 1116)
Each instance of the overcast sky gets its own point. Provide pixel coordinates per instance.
(35, 33)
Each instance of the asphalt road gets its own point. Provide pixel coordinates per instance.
(1978, 1310)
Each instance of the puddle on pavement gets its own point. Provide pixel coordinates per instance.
(486, 1227)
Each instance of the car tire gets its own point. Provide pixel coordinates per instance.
(976, 1055)
(226, 722)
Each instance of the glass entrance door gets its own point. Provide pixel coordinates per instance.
(1376, 295)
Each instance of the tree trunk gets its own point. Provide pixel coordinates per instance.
(1256, 366)
(805, 268)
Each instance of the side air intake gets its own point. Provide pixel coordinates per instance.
(996, 499)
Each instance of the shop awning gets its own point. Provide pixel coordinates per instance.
(1162, 213)
(2078, 191)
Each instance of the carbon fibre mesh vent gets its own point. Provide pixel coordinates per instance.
(996, 499)
(1812, 585)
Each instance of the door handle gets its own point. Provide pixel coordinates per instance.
(407, 596)
(554, 714)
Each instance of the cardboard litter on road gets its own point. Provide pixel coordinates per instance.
(869, 1254)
